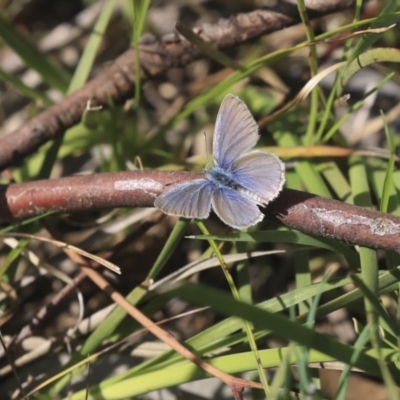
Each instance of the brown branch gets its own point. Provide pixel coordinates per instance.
(308, 213)
(86, 192)
(156, 57)
(333, 219)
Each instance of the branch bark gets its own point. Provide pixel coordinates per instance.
(156, 57)
(308, 213)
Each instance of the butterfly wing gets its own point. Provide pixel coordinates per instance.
(260, 174)
(190, 199)
(234, 209)
(235, 131)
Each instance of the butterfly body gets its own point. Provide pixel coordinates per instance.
(227, 180)
(222, 178)
(239, 181)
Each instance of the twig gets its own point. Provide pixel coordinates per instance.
(86, 192)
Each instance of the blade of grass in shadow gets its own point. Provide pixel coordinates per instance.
(302, 276)
(328, 115)
(23, 89)
(292, 236)
(282, 379)
(55, 76)
(305, 374)
(11, 257)
(344, 379)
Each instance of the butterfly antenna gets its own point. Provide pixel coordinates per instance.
(207, 149)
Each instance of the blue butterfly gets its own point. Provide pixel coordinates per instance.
(238, 183)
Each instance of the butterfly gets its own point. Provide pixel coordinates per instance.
(239, 181)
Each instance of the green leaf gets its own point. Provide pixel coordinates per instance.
(292, 236)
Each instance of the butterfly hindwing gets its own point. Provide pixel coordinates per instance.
(190, 199)
(259, 173)
(235, 209)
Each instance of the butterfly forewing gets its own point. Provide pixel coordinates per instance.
(235, 131)
(189, 200)
(235, 209)
(261, 174)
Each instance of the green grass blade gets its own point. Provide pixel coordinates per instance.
(169, 248)
(55, 76)
(140, 8)
(359, 346)
(25, 90)
(292, 236)
(280, 325)
(388, 16)
(370, 57)
(88, 56)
